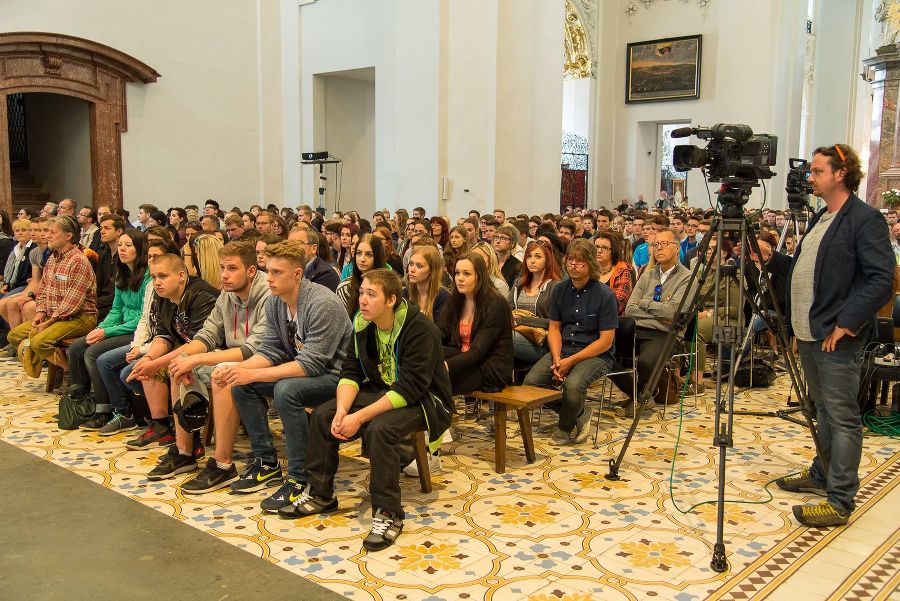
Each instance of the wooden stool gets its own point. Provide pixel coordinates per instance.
(52, 368)
(523, 399)
(418, 439)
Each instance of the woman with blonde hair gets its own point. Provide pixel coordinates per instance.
(206, 256)
(423, 281)
(493, 266)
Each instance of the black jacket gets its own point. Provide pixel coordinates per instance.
(178, 324)
(320, 272)
(512, 269)
(421, 376)
(491, 347)
(23, 269)
(778, 267)
(854, 273)
(106, 281)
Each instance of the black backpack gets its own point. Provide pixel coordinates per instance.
(763, 373)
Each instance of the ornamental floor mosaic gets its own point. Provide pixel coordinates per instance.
(554, 530)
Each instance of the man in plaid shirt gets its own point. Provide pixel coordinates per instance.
(66, 299)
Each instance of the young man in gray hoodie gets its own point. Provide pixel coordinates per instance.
(230, 334)
(297, 363)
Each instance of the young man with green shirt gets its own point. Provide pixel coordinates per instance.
(393, 383)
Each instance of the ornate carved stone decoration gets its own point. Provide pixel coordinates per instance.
(52, 64)
(62, 64)
(887, 15)
(632, 7)
(579, 41)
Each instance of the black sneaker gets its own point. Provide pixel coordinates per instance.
(386, 527)
(257, 477)
(211, 478)
(289, 492)
(97, 421)
(172, 464)
(308, 504)
(154, 434)
(118, 423)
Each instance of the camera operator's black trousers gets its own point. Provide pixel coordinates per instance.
(381, 438)
(648, 346)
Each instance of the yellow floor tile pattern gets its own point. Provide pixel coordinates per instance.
(555, 530)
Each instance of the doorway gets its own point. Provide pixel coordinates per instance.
(50, 149)
(671, 181)
(95, 75)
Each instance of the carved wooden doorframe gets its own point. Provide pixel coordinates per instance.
(62, 64)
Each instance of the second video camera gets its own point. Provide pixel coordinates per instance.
(733, 153)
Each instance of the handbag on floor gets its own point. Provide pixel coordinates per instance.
(75, 410)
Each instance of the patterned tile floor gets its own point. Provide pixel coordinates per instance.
(555, 530)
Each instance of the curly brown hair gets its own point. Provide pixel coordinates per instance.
(842, 156)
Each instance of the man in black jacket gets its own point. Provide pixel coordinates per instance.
(185, 304)
(111, 227)
(393, 382)
(842, 274)
(316, 269)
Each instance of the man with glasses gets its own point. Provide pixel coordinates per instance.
(90, 233)
(652, 304)
(297, 364)
(690, 241)
(264, 222)
(650, 226)
(583, 320)
(504, 239)
(316, 269)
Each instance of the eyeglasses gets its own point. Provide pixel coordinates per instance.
(502, 238)
(604, 249)
(657, 293)
(661, 244)
(578, 264)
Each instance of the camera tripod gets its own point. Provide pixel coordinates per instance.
(726, 332)
(798, 216)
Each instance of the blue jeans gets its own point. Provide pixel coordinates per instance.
(109, 365)
(135, 385)
(292, 396)
(574, 388)
(832, 380)
(525, 350)
(84, 366)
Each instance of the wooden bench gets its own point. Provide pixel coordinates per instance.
(523, 399)
(52, 368)
(418, 440)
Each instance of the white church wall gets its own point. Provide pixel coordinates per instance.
(193, 134)
(468, 130)
(741, 83)
(399, 38)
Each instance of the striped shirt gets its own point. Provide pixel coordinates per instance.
(68, 285)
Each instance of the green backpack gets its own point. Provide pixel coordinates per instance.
(75, 410)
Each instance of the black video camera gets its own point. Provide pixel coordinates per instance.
(733, 154)
(798, 187)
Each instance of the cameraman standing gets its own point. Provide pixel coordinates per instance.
(841, 275)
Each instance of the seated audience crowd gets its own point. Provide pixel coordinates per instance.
(344, 327)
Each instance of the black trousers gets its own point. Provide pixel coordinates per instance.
(463, 381)
(648, 347)
(381, 437)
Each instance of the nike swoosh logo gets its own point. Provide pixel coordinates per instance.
(292, 497)
(264, 477)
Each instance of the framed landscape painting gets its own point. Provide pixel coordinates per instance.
(667, 69)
